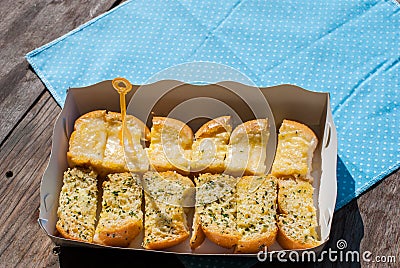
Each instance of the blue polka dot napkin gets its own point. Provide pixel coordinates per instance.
(348, 48)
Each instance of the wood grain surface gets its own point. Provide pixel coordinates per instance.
(27, 117)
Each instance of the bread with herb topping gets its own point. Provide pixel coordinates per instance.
(296, 234)
(211, 146)
(297, 221)
(165, 215)
(77, 205)
(216, 210)
(121, 217)
(256, 213)
(295, 197)
(170, 145)
(248, 148)
(294, 153)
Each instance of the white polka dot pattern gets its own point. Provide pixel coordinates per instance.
(348, 48)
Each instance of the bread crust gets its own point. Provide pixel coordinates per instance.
(66, 235)
(224, 240)
(305, 130)
(256, 244)
(185, 132)
(92, 114)
(198, 235)
(287, 243)
(252, 127)
(120, 236)
(166, 243)
(214, 127)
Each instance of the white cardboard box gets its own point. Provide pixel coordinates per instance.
(194, 103)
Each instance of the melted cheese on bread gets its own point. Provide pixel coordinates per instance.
(97, 142)
(170, 147)
(88, 140)
(211, 146)
(248, 148)
(294, 153)
(131, 155)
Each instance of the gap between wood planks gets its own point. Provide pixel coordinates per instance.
(26, 152)
(22, 118)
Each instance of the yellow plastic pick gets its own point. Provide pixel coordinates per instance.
(122, 86)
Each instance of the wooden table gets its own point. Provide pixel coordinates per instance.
(28, 113)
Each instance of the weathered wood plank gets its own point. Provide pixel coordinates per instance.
(26, 153)
(380, 211)
(25, 25)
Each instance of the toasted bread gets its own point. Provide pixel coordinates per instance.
(298, 220)
(116, 153)
(165, 217)
(248, 148)
(296, 234)
(96, 142)
(216, 210)
(256, 213)
(211, 146)
(88, 140)
(121, 217)
(170, 145)
(77, 205)
(294, 153)
(295, 197)
(198, 235)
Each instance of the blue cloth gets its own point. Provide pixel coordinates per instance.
(348, 48)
